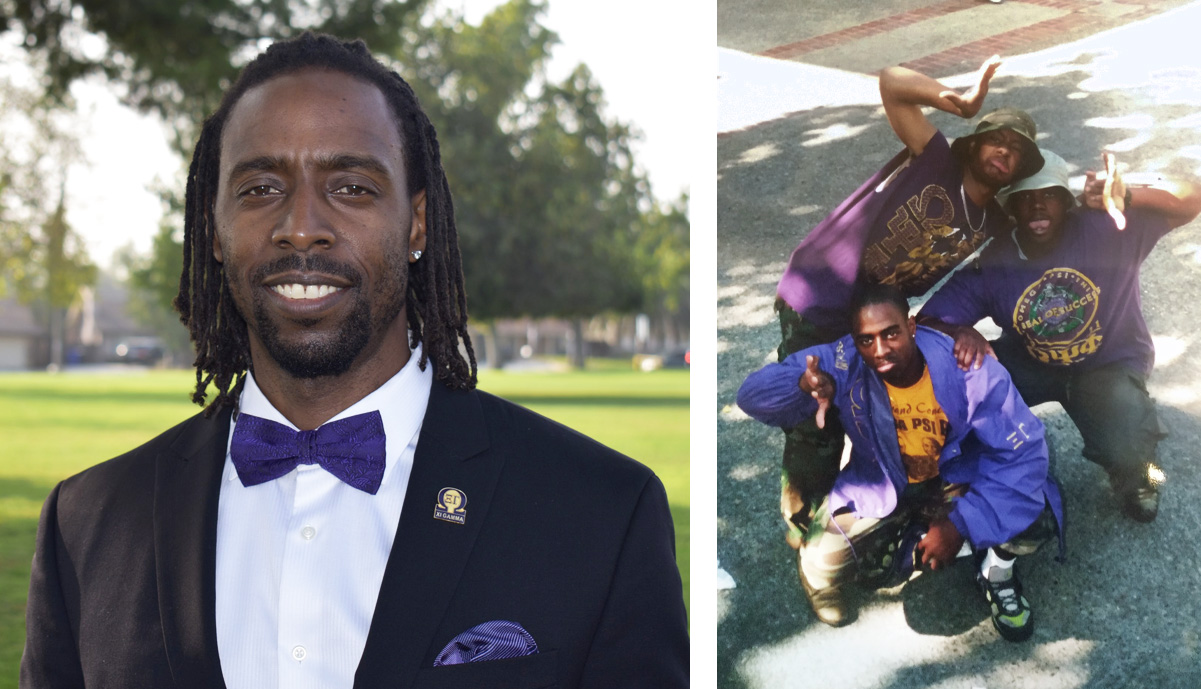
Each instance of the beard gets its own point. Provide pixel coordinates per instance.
(986, 175)
(332, 353)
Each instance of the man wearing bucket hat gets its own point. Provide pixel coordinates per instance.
(1064, 288)
(908, 225)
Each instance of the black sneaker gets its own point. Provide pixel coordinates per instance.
(1139, 496)
(1011, 614)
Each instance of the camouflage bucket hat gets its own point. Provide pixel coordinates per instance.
(1014, 120)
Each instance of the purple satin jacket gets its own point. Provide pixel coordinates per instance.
(995, 443)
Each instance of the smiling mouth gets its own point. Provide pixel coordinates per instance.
(298, 291)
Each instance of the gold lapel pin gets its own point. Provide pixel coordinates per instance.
(451, 506)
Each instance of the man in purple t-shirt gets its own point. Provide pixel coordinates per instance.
(1064, 289)
(912, 222)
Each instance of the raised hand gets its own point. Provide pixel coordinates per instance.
(818, 384)
(970, 102)
(1114, 194)
(1106, 191)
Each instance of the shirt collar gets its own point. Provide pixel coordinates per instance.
(1021, 254)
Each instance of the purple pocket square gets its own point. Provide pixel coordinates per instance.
(494, 640)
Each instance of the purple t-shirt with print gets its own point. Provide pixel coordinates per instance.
(905, 226)
(1077, 306)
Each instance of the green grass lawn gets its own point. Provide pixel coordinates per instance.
(56, 425)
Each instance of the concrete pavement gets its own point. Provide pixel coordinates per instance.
(795, 136)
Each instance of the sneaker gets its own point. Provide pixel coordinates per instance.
(1011, 614)
(1139, 497)
(827, 603)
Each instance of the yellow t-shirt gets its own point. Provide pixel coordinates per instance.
(921, 427)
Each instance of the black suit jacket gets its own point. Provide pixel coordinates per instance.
(562, 535)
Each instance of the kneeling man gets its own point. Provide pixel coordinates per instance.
(1064, 288)
(955, 452)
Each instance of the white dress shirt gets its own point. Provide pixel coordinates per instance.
(300, 559)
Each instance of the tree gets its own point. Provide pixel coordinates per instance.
(175, 57)
(548, 199)
(582, 193)
(662, 248)
(546, 195)
(43, 259)
(471, 81)
(153, 280)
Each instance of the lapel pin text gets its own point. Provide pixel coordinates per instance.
(452, 506)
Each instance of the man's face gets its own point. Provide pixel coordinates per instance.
(1040, 214)
(996, 157)
(315, 223)
(884, 337)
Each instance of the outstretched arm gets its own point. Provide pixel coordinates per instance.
(958, 304)
(1178, 200)
(791, 391)
(904, 92)
(820, 387)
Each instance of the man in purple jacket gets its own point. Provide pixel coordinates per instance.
(1064, 288)
(913, 221)
(956, 452)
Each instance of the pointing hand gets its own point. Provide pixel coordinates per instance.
(818, 384)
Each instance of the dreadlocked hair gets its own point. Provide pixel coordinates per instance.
(435, 299)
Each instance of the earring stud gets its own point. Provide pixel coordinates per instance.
(416, 254)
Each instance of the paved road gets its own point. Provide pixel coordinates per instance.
(798, 132)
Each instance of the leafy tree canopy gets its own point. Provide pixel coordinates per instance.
(175, 57)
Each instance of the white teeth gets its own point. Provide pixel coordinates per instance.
(304, 291)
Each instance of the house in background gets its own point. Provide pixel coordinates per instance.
(23, 340)
(98, 329)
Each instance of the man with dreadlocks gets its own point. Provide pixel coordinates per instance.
(348, 510)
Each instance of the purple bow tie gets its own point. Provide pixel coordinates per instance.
(352, 449)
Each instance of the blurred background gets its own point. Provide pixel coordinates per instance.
(558, 128)
(560, 131)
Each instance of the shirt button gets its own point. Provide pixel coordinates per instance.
(298, 653)
(307, 534)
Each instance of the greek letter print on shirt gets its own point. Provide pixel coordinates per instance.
(921, 242)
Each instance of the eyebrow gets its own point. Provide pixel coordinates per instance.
(882, 333)
(350, 161)
(336, 161)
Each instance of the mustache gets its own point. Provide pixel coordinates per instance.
(313, 263)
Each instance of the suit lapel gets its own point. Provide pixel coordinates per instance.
(428, 554)
(187, 485)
